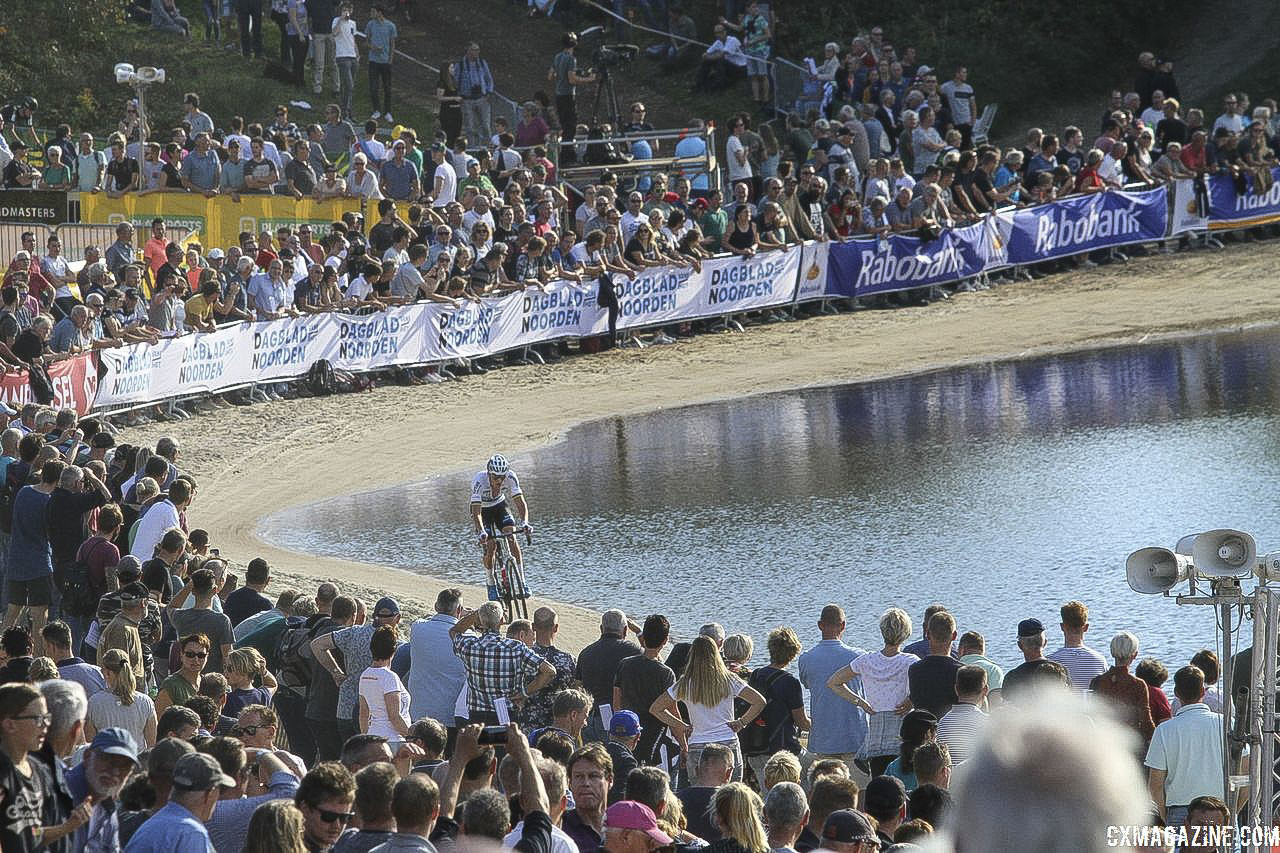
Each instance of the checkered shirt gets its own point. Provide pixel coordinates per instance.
(497, 666)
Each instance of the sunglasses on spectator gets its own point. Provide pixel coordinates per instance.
(329, 817)
(249, 730)
(194, 655)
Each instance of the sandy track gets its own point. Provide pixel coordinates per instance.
(252, 461)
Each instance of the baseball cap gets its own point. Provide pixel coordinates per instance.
(1030, 627)
(923, 70)
(129, 569)
(885, 794)
(216, 254)
(847, 826)
(135, 591)
(628, 814)
(116, 741)
(386, 606)
(624, 724)
(199, 772)
(162, 757)
(438, 146)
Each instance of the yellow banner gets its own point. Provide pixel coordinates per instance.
(217, 220)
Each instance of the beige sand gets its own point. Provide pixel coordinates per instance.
(252, 461)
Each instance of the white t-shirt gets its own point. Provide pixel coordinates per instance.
(344, 38)
(372, 148)
(1151, 117)
(711, 724)
(245, 153)
(732, 49)
(375, 683)
(359, 288)
(737, 171)
(560, 840)
(958, 95)
(448, 184)
(366, 186)
(884, 679)
(470, 218)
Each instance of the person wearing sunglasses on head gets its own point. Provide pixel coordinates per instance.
(325, 798)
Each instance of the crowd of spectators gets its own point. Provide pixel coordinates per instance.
(180, 707)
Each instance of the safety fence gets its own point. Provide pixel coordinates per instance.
(244, 354)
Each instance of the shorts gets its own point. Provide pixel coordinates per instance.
(496, 517)
(32, 593)
(757, 67)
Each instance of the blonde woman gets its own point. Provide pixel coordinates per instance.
(121, 705)
(42, 669)
(885, 687)
(708, 689)
(736, 810)
(276, 827)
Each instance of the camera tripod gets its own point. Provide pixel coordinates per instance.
(606, 93)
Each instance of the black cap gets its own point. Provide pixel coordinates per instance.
(885, 794)
(1029, 628)
(133, 592)
(847, 826)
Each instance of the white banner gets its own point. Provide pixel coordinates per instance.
(1186, 213)
(433, 332)
(812, 283)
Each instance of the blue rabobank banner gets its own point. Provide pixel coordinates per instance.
(1231, 209)
(1084, 223)
(867, 266)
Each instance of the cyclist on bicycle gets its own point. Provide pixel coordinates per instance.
(491, 490)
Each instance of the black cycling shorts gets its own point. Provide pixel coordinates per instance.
(496, 517)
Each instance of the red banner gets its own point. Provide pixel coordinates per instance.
(75, 384)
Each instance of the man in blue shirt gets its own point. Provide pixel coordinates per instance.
(838, 728)
(29, 569)
(475, 82)
(269, 294)
(100, 775)
(179, 826)
(436, 674)
(399, 175)
(382, 44)
(693, 145)
(201, 169)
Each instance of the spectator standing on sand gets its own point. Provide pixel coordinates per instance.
(598, 666)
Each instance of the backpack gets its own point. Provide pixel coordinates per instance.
(757, 738)
(78, 597)
(293, 657)
(9, 491)
(320, 378)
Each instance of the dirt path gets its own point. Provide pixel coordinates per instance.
(252, 461)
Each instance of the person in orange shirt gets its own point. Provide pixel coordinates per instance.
(153, 251)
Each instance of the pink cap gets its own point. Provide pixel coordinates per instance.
(628, 814)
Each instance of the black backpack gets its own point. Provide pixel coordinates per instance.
(320, 378)
(13, 483)
(293, 657)
(757, 738)
(78, 597)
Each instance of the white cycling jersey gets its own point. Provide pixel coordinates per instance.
(483, 494)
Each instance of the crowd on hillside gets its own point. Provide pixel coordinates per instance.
(153, 700)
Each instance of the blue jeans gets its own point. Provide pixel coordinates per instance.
(1175, 815)
(346, 82)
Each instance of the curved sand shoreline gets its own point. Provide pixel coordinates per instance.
(253, 461)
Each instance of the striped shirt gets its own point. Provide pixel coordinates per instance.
(1083, 665)
(960, 729)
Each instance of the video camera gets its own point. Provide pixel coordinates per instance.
(614, 55)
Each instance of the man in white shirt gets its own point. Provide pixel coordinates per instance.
(1231, 118)
(159, 517)
(1153, 114)
(736, 153)
(444, 182)
(361, 182)
(964, 109)
(1111, 169)
(1184, 760)
(722, 64)
(479, 212)
(632, 216)
(1082, 663)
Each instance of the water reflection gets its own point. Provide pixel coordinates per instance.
(1002, 490)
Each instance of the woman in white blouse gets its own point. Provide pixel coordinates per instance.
(707, 688)
(121, 705)
(885, 688)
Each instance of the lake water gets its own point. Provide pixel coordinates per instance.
(1002, 490)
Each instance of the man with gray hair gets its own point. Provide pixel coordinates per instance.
(786, 812)
(67, 706)
(598, 666)
(498, 667)
(78, 493)
(1022, 680)
(69, 333)
(1049, 779)
(436, 674)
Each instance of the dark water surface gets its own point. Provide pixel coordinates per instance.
(1001, 490)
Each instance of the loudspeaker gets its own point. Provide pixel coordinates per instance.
(1155, 570)
(1224, 554)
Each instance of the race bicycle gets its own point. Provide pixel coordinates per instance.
(506, 575)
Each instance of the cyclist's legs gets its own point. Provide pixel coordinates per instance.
(514, 543)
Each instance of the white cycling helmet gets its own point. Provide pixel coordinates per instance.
(498, 465)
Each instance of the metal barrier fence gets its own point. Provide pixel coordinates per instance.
(11, 238)
(78, 236)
